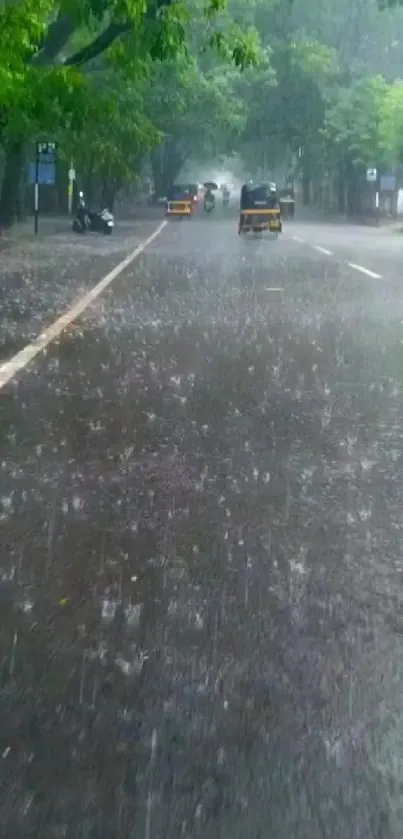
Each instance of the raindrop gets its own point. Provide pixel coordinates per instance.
(7, 502)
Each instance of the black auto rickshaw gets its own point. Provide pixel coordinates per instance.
(179, 202)
(259, 209)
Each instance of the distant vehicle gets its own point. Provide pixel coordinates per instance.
(225, 196)
(209, 201)
(179, 202)
(259, 209)
(194, 192)
(90, 221)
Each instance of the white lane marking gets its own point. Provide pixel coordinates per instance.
(297, 239)
(364, 270)
(322, 250)
(274, 289)
(25, 356)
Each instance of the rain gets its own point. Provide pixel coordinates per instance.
(201, 482)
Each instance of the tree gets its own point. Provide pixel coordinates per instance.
(58, 37)
(328, 63)
(286, 102)
(391, 124)
(353, 135)
(48, 47)
(196, 113)
(112, 138)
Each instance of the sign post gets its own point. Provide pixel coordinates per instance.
(72, 177)
(377, 206)
(372, 178)
(45, 172)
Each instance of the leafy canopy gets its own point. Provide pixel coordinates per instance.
(352, 126)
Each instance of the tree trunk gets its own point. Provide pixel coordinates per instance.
(351, 199)
(110, 187)
(341, 193)
(10, 188)
(89, 188)
(89, 183)
(24, 199)
(166, 164)
(305, 191)
(354, 193)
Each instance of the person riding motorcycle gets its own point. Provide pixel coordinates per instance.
(209, 200)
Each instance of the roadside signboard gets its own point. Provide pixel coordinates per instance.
(372, 175)
(46, 151)
(387, 183)
(45, 171)
(70, 187)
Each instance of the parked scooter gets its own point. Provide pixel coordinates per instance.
(89, 221)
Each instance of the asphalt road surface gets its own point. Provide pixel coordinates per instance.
(201, 567)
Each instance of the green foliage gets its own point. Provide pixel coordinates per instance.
(40, 99)
(196, 112)
(329, 101)
(352, 126)
(271, 80)
(22, 27)
(117, 133)
(286, 96)
(391, 124)
(53, 56)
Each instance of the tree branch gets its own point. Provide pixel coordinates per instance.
(56, 38)
(101, 43)
(98, 45)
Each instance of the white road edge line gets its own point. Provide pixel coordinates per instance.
(322, 250)
(18, 362)
(364, 270)
(274, 289)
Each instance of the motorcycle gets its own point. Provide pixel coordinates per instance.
(209, 203)
(89, 221)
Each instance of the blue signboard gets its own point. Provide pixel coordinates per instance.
(46, 173)
(388, 183)
(46, 151)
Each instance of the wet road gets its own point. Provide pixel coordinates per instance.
(201, 514)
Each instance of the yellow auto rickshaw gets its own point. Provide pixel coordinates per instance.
(259, 210)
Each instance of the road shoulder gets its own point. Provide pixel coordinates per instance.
(42, 277)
